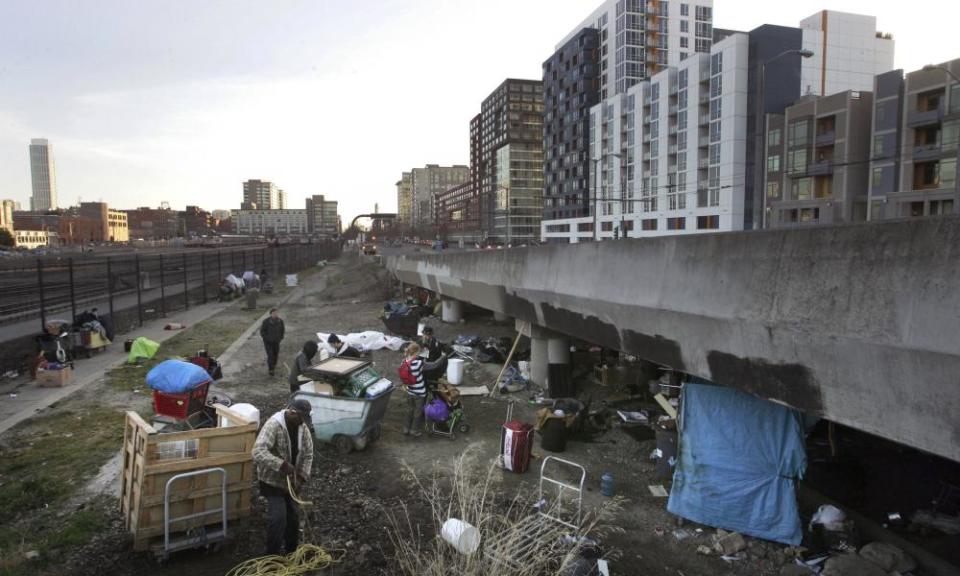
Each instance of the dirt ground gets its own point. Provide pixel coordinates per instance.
(351, 493)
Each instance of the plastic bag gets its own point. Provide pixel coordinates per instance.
(436, 410)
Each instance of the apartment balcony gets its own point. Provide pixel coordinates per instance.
(674, 109)
(930, 152)
(704, 97)
(673, 149)
(825, 139)
(673, 130)
(820, 169)
(922, 118)
(704, 118)
(704, 142)
(703, 163)
(705, 74)
(646, 136)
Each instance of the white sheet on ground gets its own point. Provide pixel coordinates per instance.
(363, 341)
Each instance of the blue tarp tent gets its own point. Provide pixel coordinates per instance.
(740, 458)
(176, 376)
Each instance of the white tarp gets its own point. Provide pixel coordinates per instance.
(363, 341)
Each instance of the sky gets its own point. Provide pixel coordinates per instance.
(181, 101)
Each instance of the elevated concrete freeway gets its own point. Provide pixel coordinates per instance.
(858, 324)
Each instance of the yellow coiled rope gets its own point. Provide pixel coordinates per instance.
(306, 558)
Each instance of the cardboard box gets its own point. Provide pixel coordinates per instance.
(54, 378)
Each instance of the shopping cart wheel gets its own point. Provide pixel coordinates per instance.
(464, 427)
(343, 444)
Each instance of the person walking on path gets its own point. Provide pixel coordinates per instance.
(272, 333)
(284, 449)
(411, 374)
(300, 363)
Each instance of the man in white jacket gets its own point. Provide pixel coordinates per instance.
(284, 449)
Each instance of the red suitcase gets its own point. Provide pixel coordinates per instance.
(516, 443)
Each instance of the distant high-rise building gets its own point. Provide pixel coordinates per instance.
(322, 217)
(511, 161)
(425, 183)
(683, 151)
(43, 175)
(281, 199)
(261, 195)
(405, 200)
(6, 214)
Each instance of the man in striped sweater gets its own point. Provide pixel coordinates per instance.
(416, 388)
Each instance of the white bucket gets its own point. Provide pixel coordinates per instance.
(455, 371)
(248, 411)
(291, 280)
(461, 535)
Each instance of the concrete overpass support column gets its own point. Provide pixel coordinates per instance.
(558, 349)
(452, 310)
(538, 361)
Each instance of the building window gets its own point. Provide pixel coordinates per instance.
(716, 63)
(948, 173)
(877, 146)
(606, 226)
(704, 13)
(799, 133)
(797, 160)
(684, 41)
(715, 131)
(716, 86)
(929, 101)
(684, 27)
(773, 137)
(955, 99)
(802, 188)
(773, 163)
(676, 223)
(649, 224)
(773, 189)
(714, 154)
(585, 227)
(808, 215)
(708, 222)
(684, 9)
(876, 178)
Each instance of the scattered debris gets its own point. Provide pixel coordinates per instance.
(728, 543)
(658, 491)
(32, 555)
(927, 519)
(681, 534)
(704, 549)
(831, 517)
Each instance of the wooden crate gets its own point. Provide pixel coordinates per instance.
(151, 458)
(54, 378)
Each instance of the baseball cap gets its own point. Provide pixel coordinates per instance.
(301, 407)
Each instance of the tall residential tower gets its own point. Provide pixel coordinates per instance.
(43, 175)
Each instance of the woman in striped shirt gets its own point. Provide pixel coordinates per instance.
(416, 389)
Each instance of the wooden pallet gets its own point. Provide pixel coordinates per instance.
(151, 458)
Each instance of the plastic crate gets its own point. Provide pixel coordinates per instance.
(180, 406)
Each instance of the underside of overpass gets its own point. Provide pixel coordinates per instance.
(858, 324)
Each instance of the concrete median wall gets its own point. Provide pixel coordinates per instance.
(859, 324)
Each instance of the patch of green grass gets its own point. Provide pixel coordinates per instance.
(45, 458)
(44, 461)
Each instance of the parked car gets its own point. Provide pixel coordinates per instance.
(369, 248)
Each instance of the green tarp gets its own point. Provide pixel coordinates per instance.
(142, 348)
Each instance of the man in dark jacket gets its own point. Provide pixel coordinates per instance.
(301, 363)
(272, 333)
(432, 353)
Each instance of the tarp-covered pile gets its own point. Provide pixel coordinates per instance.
(740, 459)
(176, 376)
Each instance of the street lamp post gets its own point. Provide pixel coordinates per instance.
(759, 164)
(596, 200)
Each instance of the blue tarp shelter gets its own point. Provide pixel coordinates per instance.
(740, 459)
